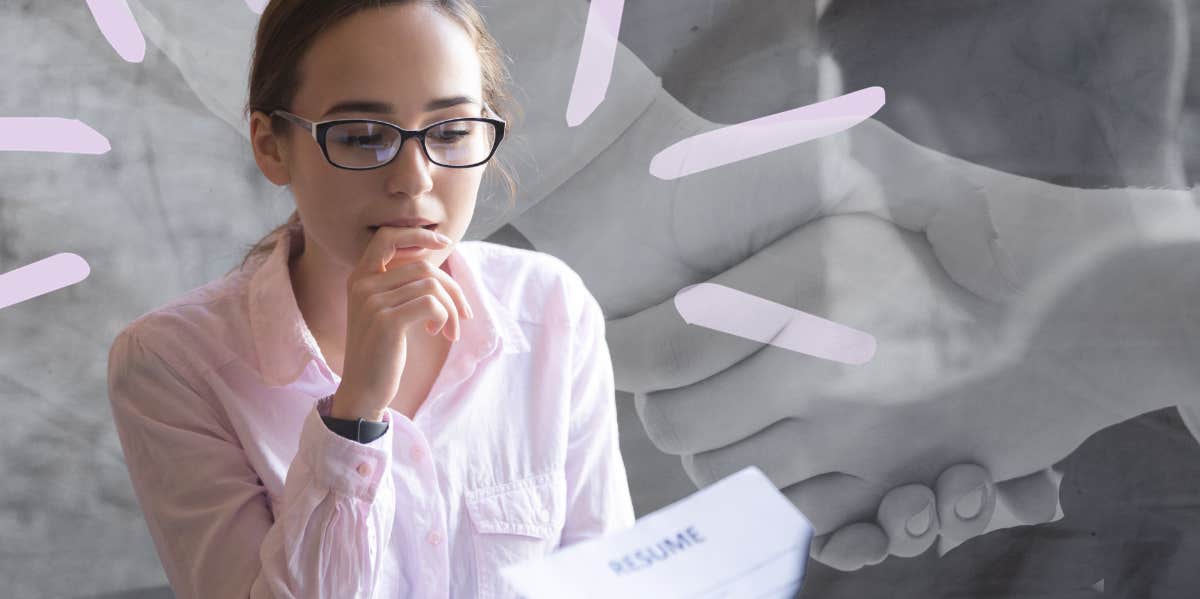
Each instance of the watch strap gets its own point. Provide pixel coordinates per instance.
(359, 429)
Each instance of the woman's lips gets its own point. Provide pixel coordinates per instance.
(410, 248)
(430, 227)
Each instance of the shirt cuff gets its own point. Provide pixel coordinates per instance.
(363, 431)
(341, 464)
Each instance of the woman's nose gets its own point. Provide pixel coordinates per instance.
(409, 170)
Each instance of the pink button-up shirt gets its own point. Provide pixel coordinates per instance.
(246, 492)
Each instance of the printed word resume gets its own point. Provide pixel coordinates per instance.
(738, 537)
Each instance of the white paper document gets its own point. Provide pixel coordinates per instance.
(738, 538)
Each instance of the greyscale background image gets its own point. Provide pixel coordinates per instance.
(1017, 228)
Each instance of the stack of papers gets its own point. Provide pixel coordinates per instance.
(738, 537)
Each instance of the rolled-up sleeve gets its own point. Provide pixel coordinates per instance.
(208, 513)
(598, 500)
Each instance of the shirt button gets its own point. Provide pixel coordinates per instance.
(416, 452)
(364, 469)
(434, 538)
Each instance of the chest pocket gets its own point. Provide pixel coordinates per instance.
(513, 522)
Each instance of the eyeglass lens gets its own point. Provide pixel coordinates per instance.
(363, 144)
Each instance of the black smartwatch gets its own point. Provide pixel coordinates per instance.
(361, 429)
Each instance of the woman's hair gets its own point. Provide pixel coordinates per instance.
(287, 28)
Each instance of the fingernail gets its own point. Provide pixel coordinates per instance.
(442, 238)
(919, 523)
(968, 506)
(470, 312)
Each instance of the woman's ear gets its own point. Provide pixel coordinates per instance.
(270, 151)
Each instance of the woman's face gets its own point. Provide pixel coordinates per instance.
(402, 57)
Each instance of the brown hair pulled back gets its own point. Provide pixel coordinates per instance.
(287, 28)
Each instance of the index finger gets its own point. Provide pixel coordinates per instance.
(386, 241)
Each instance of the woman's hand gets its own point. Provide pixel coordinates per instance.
(383, 304)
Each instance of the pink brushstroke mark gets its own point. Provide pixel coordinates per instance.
(738, 313)
(119, 28)
(43, 276)
(50, 134)
(766, 134)
(594, 70)
(256, 6)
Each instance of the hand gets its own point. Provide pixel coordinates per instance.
(389, 291)
(878, 468)
(964, 502)
(1011, 389)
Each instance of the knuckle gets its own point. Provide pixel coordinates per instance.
(659, 425)
(426, 303)
(400, 314)
(423, 267)
(374, 319)
(373, 303)
(354, 286)
(429, 284)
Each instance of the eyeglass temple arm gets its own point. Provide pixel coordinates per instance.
(488, 109)
(303, 122)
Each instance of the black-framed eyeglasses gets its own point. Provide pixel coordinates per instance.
(364, 144)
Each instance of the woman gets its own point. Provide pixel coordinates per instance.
(289, 430)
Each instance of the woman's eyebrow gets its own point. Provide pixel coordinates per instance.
(376, 107)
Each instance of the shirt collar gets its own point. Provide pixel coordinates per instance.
(284, 345)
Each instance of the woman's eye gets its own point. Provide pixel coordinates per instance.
(452, 136)
(361, 140)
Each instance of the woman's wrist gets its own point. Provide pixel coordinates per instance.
(345, 406)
